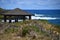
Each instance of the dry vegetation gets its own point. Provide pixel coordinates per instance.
(28, 30)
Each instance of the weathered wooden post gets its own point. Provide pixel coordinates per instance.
(9, 19)
(4, 18)
(16, 19)
(24, 18)
(29, 17)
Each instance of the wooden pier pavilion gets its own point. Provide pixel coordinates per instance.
(16, 14)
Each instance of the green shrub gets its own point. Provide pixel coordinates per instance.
(57, 26)
(11, 30)
(0, 20)
(1, 16)
(24, 31)
(35, 28)
(44, 21)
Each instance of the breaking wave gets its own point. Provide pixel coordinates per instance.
(40, 16)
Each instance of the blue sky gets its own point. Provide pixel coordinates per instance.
(30, 4)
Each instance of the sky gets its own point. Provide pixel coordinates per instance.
(30, 4)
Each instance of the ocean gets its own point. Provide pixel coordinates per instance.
(53, 16)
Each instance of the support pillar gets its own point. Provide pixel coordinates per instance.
(9, 19)
(29, 17)
(4, 18)
(16, 19)
(23, 17)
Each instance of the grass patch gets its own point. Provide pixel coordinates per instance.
(1, 16)
(58, 26)
(25, 31)
(35, 28)
(44, 21)
(10, 30)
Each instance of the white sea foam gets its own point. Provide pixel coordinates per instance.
(47, 18)
(38, 16)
